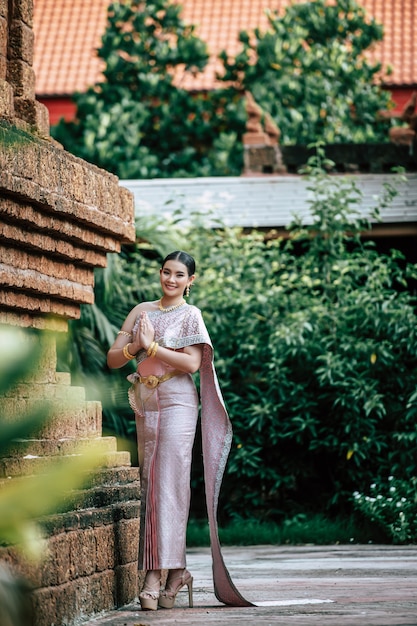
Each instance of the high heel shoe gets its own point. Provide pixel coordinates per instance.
(149, 596)
(167, 597)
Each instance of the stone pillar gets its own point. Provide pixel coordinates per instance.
(90, 562)
(17, 77)
(262, 154)
(59, 217)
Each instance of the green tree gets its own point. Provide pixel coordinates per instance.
(315, 347)
(308, 70)
(138, 122)
(318, 357)
(310, 73)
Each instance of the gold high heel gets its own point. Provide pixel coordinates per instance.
(167, 597)
(148, 597)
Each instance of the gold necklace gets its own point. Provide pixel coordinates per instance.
(170, 308)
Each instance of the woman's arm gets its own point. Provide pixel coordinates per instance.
(188, 360)
(115, 356)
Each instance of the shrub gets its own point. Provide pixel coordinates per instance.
(309, 71)
(316, 350)
(315, 346)
(391, 505)
(138, 122)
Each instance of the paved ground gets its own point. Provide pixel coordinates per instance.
(295, 586)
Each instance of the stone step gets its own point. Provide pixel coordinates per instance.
(102, 496)
(29, 465)
(49, 391)
(63, 418)
(62, 378)
(59, 447)
(116, 459)
(82, 420)
(114, 476)
(100, 477)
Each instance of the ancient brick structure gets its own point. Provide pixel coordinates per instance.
(59, 217)
(262, 153)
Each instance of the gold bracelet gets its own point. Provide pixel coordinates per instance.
(126, 352)
(123, 332)
(151, 351)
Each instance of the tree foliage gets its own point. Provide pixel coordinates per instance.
(318, 348)
(138, 122)
(315, 347)
(309, 71)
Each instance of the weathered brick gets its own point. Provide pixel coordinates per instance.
(3, 70)
(34, 113)
(60, 602)
(22, 217)
(62, 378)
(21, 75)
(105, 542)
(57, 567)
(126, 583)
(21, 41)
(127, 533)
(126, 200)
(37, 305)
(60, 217)
(26, 320)
(19, 174)
(115, 459)
(3, 37)
(98, 592)
(4, 8)
(6, 98)
(23, 10)
(60, 447)
(12, 407)
(82, 572)
(35, 281)
(73, 421)
(25, 260)
(82, 549)
(42, 122)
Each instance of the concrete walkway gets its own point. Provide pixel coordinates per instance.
(295, 586)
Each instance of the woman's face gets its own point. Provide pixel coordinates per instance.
(174, 278)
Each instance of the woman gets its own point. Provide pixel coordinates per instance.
(170, 342)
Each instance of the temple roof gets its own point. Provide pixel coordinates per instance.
(68, 33)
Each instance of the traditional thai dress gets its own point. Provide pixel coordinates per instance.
(166, 415)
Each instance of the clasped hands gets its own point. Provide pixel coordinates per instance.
(144, 335)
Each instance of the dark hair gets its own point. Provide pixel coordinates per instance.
(182, 257)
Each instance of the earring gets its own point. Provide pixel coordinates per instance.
(187, 291)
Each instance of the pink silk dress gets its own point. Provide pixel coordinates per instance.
(166, 419)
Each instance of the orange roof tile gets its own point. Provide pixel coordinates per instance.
(68, 33)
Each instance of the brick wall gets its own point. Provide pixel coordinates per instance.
(59, 217)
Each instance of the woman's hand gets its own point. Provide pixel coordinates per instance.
(145, 333)
(142, 338)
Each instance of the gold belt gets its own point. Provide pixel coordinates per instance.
(153, 381)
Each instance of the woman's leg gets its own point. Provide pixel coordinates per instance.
(179, 412)
(149, 595)
(176, 579)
